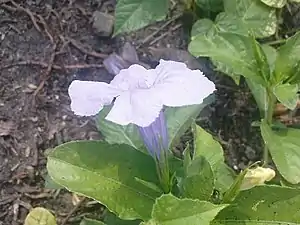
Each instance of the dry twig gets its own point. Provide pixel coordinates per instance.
(17, 7)
(47, 73)
(54, 66)
(72, 211)
(81, 48)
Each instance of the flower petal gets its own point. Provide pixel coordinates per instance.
(89, 97)
(132, 78)
(140, 107)
(179, 86)
(155, 136)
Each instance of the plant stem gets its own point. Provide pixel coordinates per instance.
(276, 42)
(162, 166)
(269, 119)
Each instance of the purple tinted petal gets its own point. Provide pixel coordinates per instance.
(89, 97)
(179, 86)
(121, 112)
(132, 78)
(140, 107)
(155, 136)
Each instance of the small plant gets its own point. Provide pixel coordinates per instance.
(143, 113)
(133, 172)
(271, 74)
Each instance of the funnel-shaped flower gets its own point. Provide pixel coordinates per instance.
(140, 94)
(139, 97)
(155, 136)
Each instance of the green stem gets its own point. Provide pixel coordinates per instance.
(269, 119)
(276, 42)
(163, 172)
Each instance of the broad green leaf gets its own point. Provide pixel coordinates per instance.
(275, 3)
(170, 210)
(50, 184)
(135, 14)
(117, 134)
(235, 24)
(244, 16)
(226, 70)
(260, 95)
(294, 0)
(234, 188)
(284, 147)
(261, 60)
(203, 27)
(258, 91)
(179, 119)
(271, 55)
(187, 159)
(205, 145)
(294, 77)
(112, 219)
(263, 205)
(40, 216)
(87, 221)
(210, 5)
(108, 173)
(198, 182)
(288, 58)
(234, 51)
(287, 94)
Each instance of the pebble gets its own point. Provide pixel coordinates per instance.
(103, 24)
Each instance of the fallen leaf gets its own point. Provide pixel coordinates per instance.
(6, 127)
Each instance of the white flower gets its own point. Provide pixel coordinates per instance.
(140, 93)
(257, 176)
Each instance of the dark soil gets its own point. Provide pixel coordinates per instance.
(38, 62)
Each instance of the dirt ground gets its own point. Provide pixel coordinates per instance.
(44, 45)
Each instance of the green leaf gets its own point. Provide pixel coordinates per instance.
(205, 145)
(107, 173)
(259, 93)
(226, 70)
(118, 134)
(287, 94)
(112, 219)
(179, 119)
(232, 50)
(288, 58)
(40, 216)
(244, 16)
(169, 210)
(271, 55)
(203, 27)
(262, 205)
(263, 68)
(275, 3)
(135, 14)
(284, 146)
(210, 5)
(87, 221)
(235, 188)
(198, 182)
(50, 184)
(187, 160)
